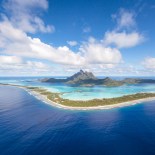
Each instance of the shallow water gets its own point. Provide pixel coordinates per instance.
(82, 93)
(30, 127)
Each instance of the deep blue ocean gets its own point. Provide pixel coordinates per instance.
(30, 127)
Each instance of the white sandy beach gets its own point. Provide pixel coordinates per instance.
(46, 100)
(52, 103)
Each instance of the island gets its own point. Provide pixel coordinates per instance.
(56, 100)
(87, 79)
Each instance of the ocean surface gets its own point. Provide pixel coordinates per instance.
(30, 127)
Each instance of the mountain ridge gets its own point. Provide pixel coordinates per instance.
(84, 78)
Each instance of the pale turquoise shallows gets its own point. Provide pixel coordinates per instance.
(83, 93)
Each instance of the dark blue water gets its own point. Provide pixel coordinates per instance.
(30, 127)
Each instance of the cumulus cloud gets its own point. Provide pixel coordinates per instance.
(11, 66)
(72, 43)
(123, 39)
(124, 35)
(17, 45)
(24, 16)
(149, 63)
(97, 53)
(17, 42)
(37, 64)
(10, 59)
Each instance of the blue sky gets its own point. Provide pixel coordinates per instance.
(59, 37)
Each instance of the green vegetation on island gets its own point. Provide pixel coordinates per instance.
(55, 97)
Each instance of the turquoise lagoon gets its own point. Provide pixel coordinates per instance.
(82, 93)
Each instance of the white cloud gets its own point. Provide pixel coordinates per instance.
(10, 66)
(123, 39)
(72, 43)
(18, 43)
(24, 16)
(97, 53)
(124, 34)
(9, 33)
(149, 63)
(125, 19)
(109, 69)
(10, 59)
(36, 64)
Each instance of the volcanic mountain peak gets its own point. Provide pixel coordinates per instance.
(82, 75)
